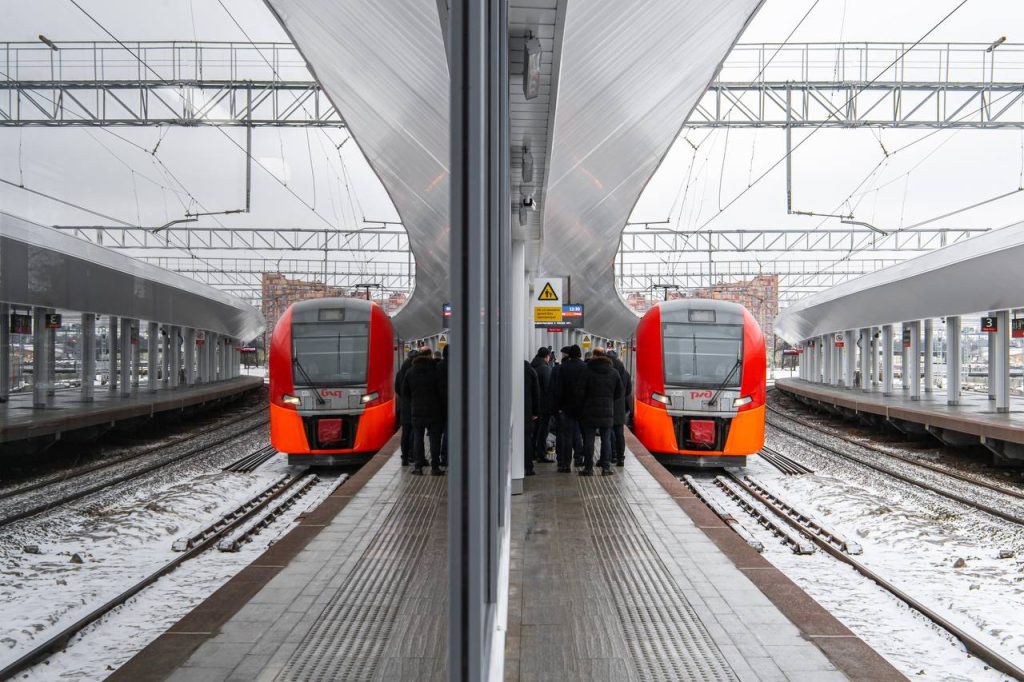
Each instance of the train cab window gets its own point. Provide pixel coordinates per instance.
(703, 354)
(330, 353)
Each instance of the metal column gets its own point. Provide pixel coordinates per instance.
(40, 381)
(865, 359)
(88, 345)
(113, 349)
(929, 335)
(1002, 361)
(873, 362)
(175, 372)
(136, 332)
(165, 356)
(914, 358)
(152, 354)
(826, 360)
(5, 352)
(190, 356)
(126, 355)
(953, 360)
(904, 358)
(991, 363)
(887, 360)
(214, 357)
(850, 341)
(51, 359)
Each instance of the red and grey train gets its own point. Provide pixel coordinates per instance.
(700, 382)
(332, 367)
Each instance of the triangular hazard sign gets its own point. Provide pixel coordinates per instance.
(548, 293)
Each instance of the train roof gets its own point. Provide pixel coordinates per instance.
(726, 312)
(333, 302)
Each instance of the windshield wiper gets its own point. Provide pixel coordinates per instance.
(718, 391)
(309, 382)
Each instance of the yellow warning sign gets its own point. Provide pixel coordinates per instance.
(442, 341)
(587, 343)
(548, 293)
(547, 313)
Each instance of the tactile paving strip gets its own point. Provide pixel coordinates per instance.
(665, 636)
(349, 636)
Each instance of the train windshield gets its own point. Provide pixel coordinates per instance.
(703, 354)
(330, 353)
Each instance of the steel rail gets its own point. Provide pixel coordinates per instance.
(285, 502)
(788, 538)
(723, 514)
(61, 639)
(252, 461)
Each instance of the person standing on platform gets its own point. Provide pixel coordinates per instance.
(541, 364)
(622, 409)
(423, 385)
(405, 409)
(531, 405)
(566, 399)
(599, 389)
(553, 400)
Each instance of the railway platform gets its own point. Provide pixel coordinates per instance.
(973, 421)
(621, 578)
(66, 416)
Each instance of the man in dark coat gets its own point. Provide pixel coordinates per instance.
(553, 401)
(531, 406)
(599, 389)
(426, 391)
(405, 409)
(541, 364)
(622, 409)
(566, 399)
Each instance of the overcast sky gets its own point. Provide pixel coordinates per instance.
(96, 169)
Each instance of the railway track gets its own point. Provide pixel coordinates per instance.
(195, 544)
(933, 487)
(252, 461)
(109, 463)
(842, 550)
(784, 463)
(995, 487)
(54, 502)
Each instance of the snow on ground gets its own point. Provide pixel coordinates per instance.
(120, 536)
(913, 538)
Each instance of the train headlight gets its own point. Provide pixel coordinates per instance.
(369, 397)
(663, 399)
(740, 402)
(291, 399)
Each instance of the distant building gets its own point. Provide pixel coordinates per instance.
(279, 292)
(759, 295)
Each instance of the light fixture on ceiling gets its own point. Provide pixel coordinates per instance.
(527, 165)
(531, 66)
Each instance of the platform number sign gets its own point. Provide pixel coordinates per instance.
(906, 337)
(53, 320)
(1017, 327)
(989, 324)
(21, 323)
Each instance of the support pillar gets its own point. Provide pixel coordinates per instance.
(153, 354)
(112, 353)
(865, 360)
(165, 357)
(826, 360)
(1002, 361)
(40, 381)
(520, 298)
(175, 370)
(88, 345)
(214, 356)
(873, 362)
(914, 358)
(5, 352)
(929, 336)
(190, 356)
(887, 360)
(136, 347)
(126, 353)
(953, 360)
(51, 359)
(850, 341)
(904, 358)
(991, 364)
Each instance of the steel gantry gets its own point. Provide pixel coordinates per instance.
(851, 85)
(160, 83)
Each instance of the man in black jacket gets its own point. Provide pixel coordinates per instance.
(599, 389)
(405, 409)
(425, 388)
(541, 364)
(566, 399)
(531, 405)
(622, 408)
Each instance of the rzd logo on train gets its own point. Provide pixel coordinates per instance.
(332, 393)
(694, 395)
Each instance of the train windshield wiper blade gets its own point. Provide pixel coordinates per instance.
(309, 382)
(714, 398)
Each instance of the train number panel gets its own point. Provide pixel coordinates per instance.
(700, 383)
(332, 398)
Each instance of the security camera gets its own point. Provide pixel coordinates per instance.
(529, 202)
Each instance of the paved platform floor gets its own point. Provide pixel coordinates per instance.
(66, 411)
(975, 415)
(611, 580)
